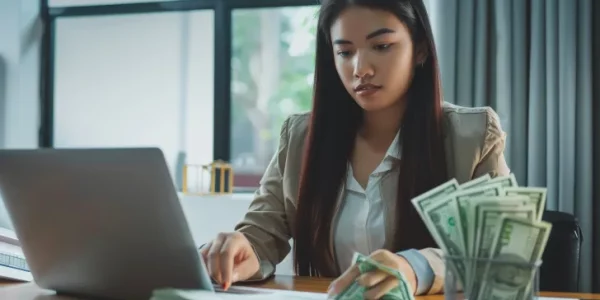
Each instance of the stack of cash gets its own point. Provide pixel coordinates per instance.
(491, 233)
(365, 264)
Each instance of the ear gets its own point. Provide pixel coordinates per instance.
(421, 54)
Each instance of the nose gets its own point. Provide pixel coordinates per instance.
(362, 66)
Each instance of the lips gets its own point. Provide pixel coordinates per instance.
(367, 89)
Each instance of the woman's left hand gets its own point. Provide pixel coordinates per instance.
(378, 283)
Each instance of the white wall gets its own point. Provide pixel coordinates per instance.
(137, 80)
(20, 32)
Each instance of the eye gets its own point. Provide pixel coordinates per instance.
(382, 47)
(343, 53)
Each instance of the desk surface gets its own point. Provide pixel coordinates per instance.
(11, 290)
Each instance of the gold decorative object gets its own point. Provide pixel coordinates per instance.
(221, 178)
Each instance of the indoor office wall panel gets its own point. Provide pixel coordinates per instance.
(141, 80)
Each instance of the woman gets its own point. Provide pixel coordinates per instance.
(378, 135)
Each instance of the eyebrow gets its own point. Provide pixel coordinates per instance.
(371, 35)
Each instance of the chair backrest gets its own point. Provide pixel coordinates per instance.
(560, 267)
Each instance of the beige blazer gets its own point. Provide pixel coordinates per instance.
(474, 144)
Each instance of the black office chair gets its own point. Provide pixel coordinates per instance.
(560, 269)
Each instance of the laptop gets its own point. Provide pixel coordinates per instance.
(100, 223)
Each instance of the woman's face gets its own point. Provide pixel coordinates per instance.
(373, 53)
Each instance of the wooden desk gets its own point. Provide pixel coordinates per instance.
(318, 285)
(9, 290)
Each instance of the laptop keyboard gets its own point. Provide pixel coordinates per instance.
(13, 261)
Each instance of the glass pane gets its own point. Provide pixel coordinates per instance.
(272, 69)
(143, 80)
(96, 2)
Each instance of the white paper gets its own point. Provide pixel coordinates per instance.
(269, 293)
(237, 292)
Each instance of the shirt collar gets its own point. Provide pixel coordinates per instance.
(395, 149)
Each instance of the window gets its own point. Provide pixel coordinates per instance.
(272, 65)
(139, 80)
(97, 2)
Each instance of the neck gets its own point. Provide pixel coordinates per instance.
(383, 123)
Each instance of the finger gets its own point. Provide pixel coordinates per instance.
(386, 258)
(204, 251)
(372, 279)
(244, 270)
(382, 256)
(229, 251)
(347, 278)
(214, 259)
(378, 291)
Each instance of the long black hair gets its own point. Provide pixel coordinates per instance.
(334, 122)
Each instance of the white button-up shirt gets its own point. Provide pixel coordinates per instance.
(360, 224)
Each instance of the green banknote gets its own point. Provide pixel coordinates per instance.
(476, 182)
(489, 215)
(474, 217)
(427, 199)
(463, 199)
(518, 246)
(506, 181)
(365, 264)
(536, 195)
(444, 218)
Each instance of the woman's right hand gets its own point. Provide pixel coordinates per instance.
(230, 258)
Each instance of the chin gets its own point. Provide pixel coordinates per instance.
(372, 104)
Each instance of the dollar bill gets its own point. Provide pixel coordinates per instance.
(477, 203)
(467, 220)
(443, 216)
(536, 196)
(506, 181)
(517, 247)
(476, 182)
(489, 215)
(425, 200)
(365, 264)
(463, 199)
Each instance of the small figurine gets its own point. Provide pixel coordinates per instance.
(221, 178)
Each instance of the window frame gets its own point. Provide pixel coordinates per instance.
(223, 10)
